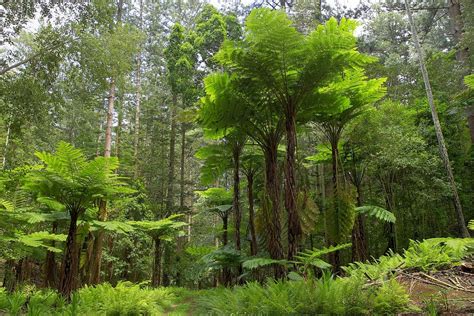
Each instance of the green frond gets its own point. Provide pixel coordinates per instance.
(313, 256)
(378, 212)
(39, 239)
(112, 226)
(340, 216)
(255, 263)
(471, 224)
(7, 205)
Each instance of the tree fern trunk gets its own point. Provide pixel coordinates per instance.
(236, 194)
(156, 273)
(253, 234)
(70, 264)
(50, 269)
(359, 242)
(272, 189)
(294, 225)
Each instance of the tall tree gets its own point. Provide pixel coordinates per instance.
(439, 133)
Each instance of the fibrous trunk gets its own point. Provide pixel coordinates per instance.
(156, 273)
(294, 225)
(253, 234)
(70, 264)
(272, 207)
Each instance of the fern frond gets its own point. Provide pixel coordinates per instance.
(255, 263)
(377, 212)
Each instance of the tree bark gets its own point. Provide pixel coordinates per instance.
(253, 234)
(171, 157)
(439, 133)
(236, 150)
(136, 139)
(272, 189)
(334, 257)
(225, 226)
(156, 273)
(359, 242)
(50, 269)
(110, 116)
(70, 264)
(294, 225)
(181, 175)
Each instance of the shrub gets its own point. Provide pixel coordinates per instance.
(390, 298)
(124, 299)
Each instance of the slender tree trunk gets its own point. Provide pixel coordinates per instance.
(390, 227)
(70, 264)
(359, 242)
(225, 226)
(226, 273)
(118, 133)
(236, 194)
(50, 269)
(253, 234)
(9, 279)
(439, 133)
(171, 157)
(272, 205)
(181, 175)
(96, 259)
(136, 140)
(156, 273)
(110, 117)
(294, 225)
(334, 257)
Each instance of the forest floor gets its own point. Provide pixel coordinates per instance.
(448, 292)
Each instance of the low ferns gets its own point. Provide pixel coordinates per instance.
(428, 255)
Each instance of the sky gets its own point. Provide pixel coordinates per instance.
(348, 3)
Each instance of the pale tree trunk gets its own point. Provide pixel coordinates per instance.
(182, 190)
(136, 140)
(118, 133)
(439, 133)
(170, 191)
(110, 117)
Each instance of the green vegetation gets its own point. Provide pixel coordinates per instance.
(270, 158)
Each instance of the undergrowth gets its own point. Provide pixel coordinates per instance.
(367, 288)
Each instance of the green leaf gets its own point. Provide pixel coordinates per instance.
(255, 263)
(377, 212)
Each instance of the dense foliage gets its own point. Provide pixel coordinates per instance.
(257, 156)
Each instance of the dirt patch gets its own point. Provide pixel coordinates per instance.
(447, 292)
